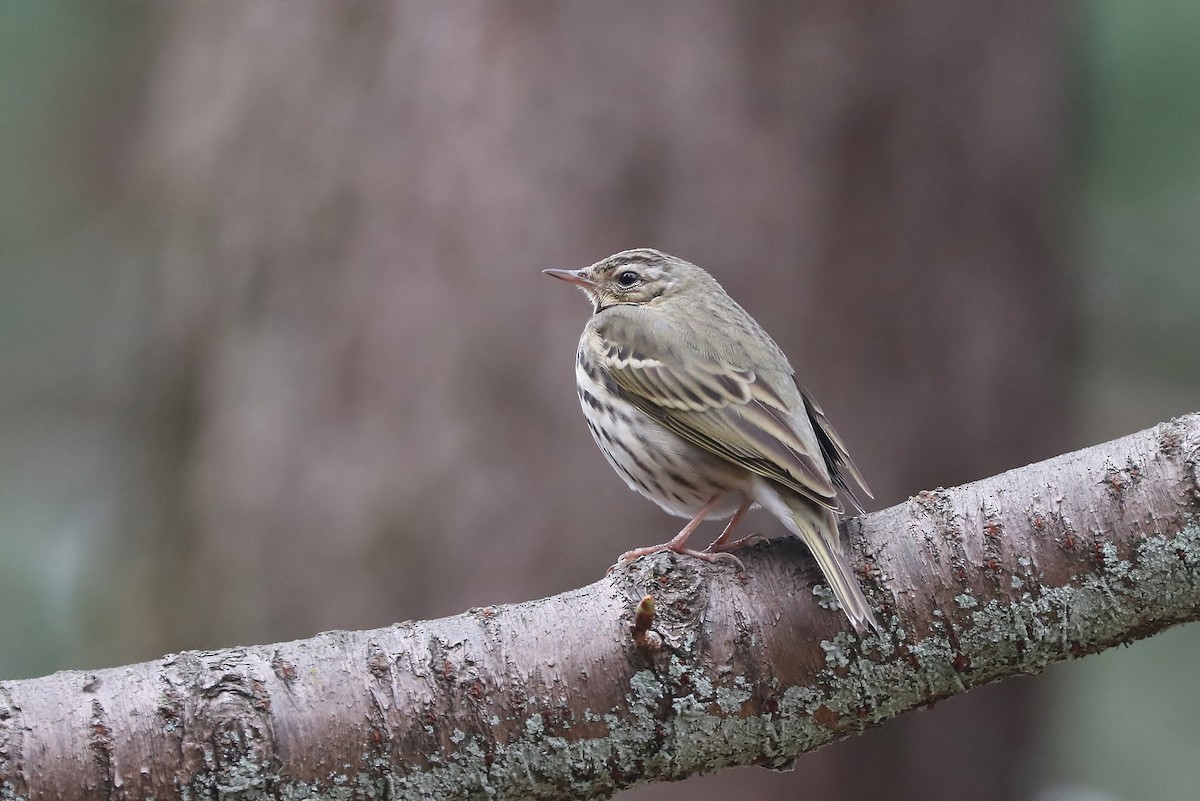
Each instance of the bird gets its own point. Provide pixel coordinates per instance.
(696, 408)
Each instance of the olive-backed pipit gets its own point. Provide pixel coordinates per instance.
(698, 409)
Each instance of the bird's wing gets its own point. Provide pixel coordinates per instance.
(728, 410)
(834, 451)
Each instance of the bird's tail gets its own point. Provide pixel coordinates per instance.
(817, 526)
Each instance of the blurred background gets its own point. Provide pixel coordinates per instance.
(276, 354)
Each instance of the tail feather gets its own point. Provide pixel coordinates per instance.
(845, 586)
(817, 527)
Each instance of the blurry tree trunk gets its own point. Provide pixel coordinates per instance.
(365, 385)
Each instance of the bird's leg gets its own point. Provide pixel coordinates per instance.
(719, 542)
(722, 545)
(678, 543)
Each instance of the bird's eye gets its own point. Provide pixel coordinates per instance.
(628, 278)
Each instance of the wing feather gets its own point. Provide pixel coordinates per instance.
(728, 410)
(836, 456)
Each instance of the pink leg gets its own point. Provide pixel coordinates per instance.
(720, 544)
(733, 546)
(678, 543)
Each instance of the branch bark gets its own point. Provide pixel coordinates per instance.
(557, 698)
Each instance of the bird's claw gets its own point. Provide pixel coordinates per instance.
(709, 556)
(720, 556)
(751, 539)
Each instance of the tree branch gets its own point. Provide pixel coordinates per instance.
(571, 697)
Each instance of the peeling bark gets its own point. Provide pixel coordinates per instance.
(557, 697)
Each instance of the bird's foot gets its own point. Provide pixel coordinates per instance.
(723, 548)
(707, 556)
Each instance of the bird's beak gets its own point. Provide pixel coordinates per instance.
(576, 277)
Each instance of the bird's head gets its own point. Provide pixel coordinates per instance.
(633, 278)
